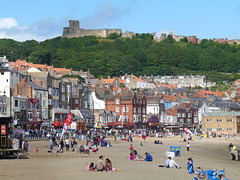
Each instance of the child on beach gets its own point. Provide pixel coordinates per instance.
(91, 167)
(188, 146)
(132, 156)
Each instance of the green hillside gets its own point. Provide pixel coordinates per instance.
(141, 55)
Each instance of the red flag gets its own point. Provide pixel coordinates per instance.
(66, 124)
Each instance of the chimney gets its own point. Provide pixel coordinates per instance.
(109, 77)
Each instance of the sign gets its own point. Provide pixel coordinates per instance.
(3, 129)
(15, 144)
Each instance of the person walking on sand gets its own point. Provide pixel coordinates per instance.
(190, 166)
(51, 145)
(188, 145)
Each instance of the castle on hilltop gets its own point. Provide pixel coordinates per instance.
(74, 30)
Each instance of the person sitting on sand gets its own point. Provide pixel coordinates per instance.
(81, 149)
(167, 162)
(91, 167)
(132, 156)
(148, 157)
(100, 164)
(173, 164)
(108, 165)
(201, 176)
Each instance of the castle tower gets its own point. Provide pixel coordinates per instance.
(74, 25)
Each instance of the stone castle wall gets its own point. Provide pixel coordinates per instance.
(74, 30)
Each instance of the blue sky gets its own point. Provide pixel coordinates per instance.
(40, 20)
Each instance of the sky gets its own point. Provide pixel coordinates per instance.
(23, 20)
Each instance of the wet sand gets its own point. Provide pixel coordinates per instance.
(208, 153)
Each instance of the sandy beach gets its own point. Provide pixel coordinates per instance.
(208, 153)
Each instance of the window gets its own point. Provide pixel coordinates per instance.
(53, 103)
(44, 102)
(219, 120)
(49, 101)
(44, 93)
(181, 121)
(117, 101)
(183, 115)
(125, 109)
(63, 88)
(209, 129)
(229, 120)
(2, 73)
(63, 98)
(189, 114)
(139, 109)
(209, 120)
(144, 101)
(57, 92)
(179, 115)
(220, 129)
(189, 121)
(54, 92)
(36, 92)
(68, 88)
(29, 115)
(117, 109)
(229, 129)
(76, 101)
(33, 106)
(85, 104)
(80, 86)
(143, 110)
(29, 106)
(16, 103)
(49, 91)
(134, 110)
(37, 106)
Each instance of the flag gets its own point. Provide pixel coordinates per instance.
(66, 124)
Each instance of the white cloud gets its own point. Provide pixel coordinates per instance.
(39, 31)
(8, 23)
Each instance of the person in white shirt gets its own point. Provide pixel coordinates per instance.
(67, 144)
(173, 164)
(170, 163)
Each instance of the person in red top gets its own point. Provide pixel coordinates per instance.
(131, 147)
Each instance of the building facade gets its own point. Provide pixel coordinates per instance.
(221, 122)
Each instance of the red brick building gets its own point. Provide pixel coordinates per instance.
(130, 110)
